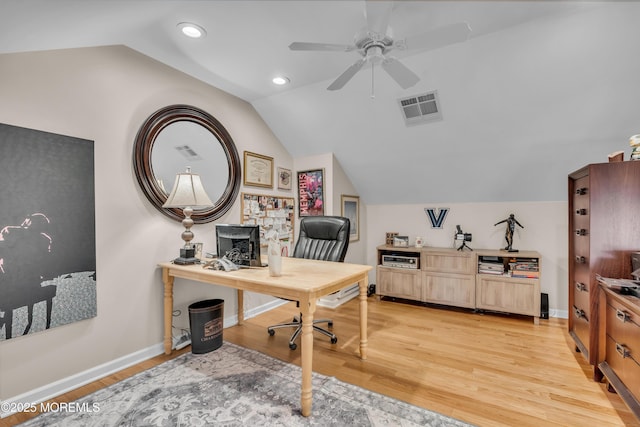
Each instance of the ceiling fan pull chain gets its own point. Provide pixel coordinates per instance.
(373, 95)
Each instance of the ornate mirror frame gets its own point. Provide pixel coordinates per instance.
(143, 168)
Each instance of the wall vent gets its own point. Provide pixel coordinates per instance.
(422, 108)
(188, 152)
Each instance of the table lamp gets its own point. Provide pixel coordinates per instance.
(187, 194)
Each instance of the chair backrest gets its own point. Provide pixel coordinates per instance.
(323, 237)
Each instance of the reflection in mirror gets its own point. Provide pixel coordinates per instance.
(178, 136)
(183, 144)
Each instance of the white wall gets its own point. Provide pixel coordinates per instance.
(336, 183)
(545, 231)
(104, 94)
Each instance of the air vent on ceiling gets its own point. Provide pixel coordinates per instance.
(188, 152)
(421, 108)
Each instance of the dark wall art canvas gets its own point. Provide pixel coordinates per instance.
(47, 231)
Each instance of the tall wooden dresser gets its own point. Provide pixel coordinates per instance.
(604, 228)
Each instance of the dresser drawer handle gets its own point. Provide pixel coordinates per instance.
(622, 350)
(580, 313)
(622, 316)
(581, 232)
(582, 211)
(581, 286)
(581, 191)
(580, 259)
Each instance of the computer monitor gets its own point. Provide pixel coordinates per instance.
(239, 243)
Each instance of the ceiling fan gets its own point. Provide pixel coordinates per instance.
(374, 42)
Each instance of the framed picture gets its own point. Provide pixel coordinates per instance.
(258, 170)
(311, 193)
(351, 209)
(271, 213)
(284, 179)
(198, 250)
(47, 256)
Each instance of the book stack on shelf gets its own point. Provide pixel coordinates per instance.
(490, 265)
(526, 268)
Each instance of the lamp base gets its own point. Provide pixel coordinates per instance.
(187, 256)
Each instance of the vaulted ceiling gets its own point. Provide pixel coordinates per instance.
(539, 88)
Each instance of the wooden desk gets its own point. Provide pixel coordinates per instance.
(302, 280)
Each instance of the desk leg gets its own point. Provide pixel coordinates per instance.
(168, 309)
(307, 309)
(240, 306)
(364, 341)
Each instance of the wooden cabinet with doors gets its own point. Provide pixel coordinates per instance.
(447, 276)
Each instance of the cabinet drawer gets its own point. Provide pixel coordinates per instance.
(508, 294)
(581, 297)
(623, 326)
(454, 262)
(624, 363)
(450, 289)
(398, 283)
(581, 325)
(581, 192)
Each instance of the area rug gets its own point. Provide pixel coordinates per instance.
(234, 386)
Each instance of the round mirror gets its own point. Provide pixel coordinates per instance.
(180, 136)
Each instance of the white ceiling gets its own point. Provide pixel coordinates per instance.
(247, 41)
(247, 44)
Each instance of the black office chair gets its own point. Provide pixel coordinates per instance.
(323, 238)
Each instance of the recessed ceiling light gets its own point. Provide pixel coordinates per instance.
(192, 30)
(280, 80)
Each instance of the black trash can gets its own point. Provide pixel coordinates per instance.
(205, 321)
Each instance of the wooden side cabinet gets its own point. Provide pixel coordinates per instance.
(506, 292)
(450, 277)
(619, 345)
(400, 275)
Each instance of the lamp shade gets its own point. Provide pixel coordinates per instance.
(188, 192)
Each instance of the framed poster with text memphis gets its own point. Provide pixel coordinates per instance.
(311, 193)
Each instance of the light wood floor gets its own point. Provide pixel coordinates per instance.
(485, 369)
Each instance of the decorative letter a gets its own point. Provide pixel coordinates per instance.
(436, 221)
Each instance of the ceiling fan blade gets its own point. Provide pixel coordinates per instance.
(439, 37)
(378, 14)
(400, 73)
(322, 46)
(347, 75)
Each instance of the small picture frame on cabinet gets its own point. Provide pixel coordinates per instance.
(389, 237)
(198, 250)
(401, 241)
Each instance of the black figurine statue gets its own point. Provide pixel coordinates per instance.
(508, 235)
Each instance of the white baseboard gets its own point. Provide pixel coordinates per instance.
(72, 382)
(64, 385)
(340, 297)
(561, 314)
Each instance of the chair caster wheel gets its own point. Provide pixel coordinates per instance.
(334, 340)
(293, 346)
(271, 332)
(330, 324)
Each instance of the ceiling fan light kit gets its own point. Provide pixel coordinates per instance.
(375, 42)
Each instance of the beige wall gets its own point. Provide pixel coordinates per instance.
(104, 94)
(336, 184)
(545, 231)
